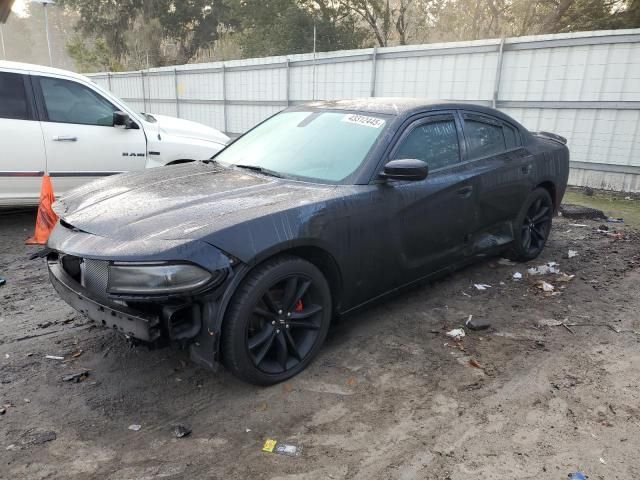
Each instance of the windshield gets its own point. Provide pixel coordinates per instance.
(317, 145)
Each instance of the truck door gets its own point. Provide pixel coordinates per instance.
(80, 140)
(22, 153)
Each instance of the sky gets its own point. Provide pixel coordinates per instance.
(19, 7)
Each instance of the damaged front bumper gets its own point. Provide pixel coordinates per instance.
(145, 327)
(191, 319)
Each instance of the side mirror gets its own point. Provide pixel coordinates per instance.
(406, 169)
(121, 119)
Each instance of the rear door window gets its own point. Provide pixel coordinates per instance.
(511, 137)
(484, 138)
(434, 142)
(13, 97)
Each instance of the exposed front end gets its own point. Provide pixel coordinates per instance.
(156, 292)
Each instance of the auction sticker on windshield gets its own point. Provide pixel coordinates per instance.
(372, 122)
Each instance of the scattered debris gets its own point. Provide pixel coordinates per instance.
(45, 324)
(579, 211)
(547, 268)
(544, 286)
(273, 446)
(615, 220)
(135, 427)
(602, 461)
(578, 225)
(53, 357)
(577, 476)
(77, 354)
(474, 363)
(466, 294)
(563, 277)
(2, 281)
(247, 430)
(572, 253)
(37, 438)
(603, 228)
(456, 333)
(76, 377)
(180, 431)
(3, 410)
(476, 324)
(517, 276)
(549, 323)
(481, 286)
(26, 400)
(506, 262)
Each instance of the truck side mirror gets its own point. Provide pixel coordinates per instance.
(122, 119)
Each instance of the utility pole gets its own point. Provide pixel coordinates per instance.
(46, 25)
(4, 52)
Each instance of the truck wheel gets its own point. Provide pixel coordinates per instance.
(277, 321)
(532, 226)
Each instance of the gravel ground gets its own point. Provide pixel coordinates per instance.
(390, 396)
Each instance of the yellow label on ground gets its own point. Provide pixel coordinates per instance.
(269, 445)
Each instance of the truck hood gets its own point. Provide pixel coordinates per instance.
(189, 201)
(177, 127)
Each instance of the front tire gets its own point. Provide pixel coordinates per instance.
(532, 226)
(277, 321)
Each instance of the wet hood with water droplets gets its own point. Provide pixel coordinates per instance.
(190, 201)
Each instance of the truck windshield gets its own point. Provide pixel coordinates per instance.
(325, 146)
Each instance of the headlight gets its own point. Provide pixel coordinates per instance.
(131, 278)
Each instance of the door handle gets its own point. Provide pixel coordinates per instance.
(64, 138)
(465, 192)
(526, 169)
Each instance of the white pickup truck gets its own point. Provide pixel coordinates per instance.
(62, 123)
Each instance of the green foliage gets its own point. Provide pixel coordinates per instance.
(92, 58)
(279, 27)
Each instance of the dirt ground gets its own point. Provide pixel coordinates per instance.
(390, 396)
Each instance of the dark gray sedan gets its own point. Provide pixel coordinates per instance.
(316, 212)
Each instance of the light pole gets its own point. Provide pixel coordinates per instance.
(4, 52)
(46, 24)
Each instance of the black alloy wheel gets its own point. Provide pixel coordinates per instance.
(533, 226)
(277, 322)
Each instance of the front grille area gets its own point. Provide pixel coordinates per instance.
(94, 275)
(91, 274)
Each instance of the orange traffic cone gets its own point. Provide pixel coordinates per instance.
(46, 219)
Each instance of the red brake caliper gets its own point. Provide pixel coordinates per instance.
(299, 306)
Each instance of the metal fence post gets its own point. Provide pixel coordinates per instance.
(109, 81)
(177, 92)
(144, 94)
(224, 97)
(288, 80)
(496, 87)
(374, 71)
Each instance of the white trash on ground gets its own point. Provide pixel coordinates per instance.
(481, 286)
(456, 333)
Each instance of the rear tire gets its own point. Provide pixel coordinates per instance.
(532, 226)
(277, 321)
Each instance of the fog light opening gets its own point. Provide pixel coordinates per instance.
(182, 323)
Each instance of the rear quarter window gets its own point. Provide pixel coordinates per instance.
(484, 138)
(13, 98)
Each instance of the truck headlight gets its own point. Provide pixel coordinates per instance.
(140, 278)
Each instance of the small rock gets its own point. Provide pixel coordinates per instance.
(477, 323)
(3, 410)
(181, 431)
(135, 427)
(38, 438)
(76, 377)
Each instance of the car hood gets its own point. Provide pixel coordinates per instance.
(177, 127)
(189, 201)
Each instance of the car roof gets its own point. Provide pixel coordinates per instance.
(402, 107)
(31, 67)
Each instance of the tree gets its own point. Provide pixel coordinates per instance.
(134, 30)
(279, 27)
